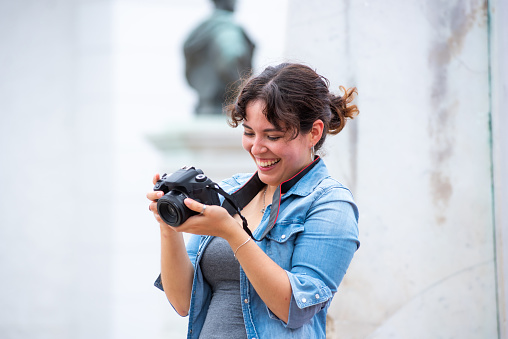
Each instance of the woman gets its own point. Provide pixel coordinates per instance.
(304, 223)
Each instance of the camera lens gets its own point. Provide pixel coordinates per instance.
(171, 212)
(172, 209)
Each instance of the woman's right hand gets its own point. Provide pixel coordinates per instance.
(176, 269)
(153, 196)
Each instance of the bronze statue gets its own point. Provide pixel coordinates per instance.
(217, 53)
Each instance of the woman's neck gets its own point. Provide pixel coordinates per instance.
(270, 190)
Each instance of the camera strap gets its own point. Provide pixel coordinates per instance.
(232, 202)
(244, 195)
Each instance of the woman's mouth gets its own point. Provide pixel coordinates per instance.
(266, 164)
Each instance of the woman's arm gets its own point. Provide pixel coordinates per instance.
(268, 279)
(176, 269)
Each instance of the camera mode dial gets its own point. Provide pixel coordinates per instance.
(200, 177)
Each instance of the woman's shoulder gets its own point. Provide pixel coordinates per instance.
(330, 190)
(234, 182)
(323, 184)
(318, 183)
(331, 184)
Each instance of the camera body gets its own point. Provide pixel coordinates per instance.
(187, 182)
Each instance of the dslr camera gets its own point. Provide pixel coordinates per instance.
(187, 182)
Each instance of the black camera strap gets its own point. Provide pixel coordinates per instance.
(238, 200)
(232, 202)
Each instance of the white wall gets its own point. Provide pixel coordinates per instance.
(55, 170)
(83, 84)
(499, 52)
(418, 160)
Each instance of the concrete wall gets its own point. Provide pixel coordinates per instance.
(55, 167)
(418, 160)
(83, 83)
(499, 76)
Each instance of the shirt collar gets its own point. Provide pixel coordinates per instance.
(294, 185)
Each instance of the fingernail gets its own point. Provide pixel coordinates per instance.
(160, 194)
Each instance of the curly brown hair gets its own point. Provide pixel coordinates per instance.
(295, 97)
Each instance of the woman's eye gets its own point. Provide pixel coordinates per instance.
(269, 137)
(273, 138)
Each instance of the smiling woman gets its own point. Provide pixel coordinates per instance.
(277, 156)
(281, 284)
(287, 111)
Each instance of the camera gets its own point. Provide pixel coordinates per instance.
(187, 182)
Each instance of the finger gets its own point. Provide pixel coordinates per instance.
(193, 205)
(153, 207)
(155, 195)
(156, 178)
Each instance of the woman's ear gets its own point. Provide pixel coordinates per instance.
(317, 131)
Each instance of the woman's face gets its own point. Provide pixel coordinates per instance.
(277, 156)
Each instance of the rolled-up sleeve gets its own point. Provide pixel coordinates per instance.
(322, 254)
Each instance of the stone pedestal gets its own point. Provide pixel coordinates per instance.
(205, 142)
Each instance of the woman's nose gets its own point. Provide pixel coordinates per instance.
(258, 146)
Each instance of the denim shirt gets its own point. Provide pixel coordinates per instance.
(314, 239)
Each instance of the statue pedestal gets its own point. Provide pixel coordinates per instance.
(205, 142)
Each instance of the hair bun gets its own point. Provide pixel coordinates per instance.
(342, 109)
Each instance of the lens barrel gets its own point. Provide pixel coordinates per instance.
(172, 209)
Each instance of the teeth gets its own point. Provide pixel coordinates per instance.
(267, 163)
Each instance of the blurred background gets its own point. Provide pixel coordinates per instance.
(94, 101)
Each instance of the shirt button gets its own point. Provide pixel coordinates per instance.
(317, 296)
(304, 300)
(197, 254)
(283, 236)
(246, 301)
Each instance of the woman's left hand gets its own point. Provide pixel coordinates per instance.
(212, 220)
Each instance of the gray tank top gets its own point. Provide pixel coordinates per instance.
(224, 319)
